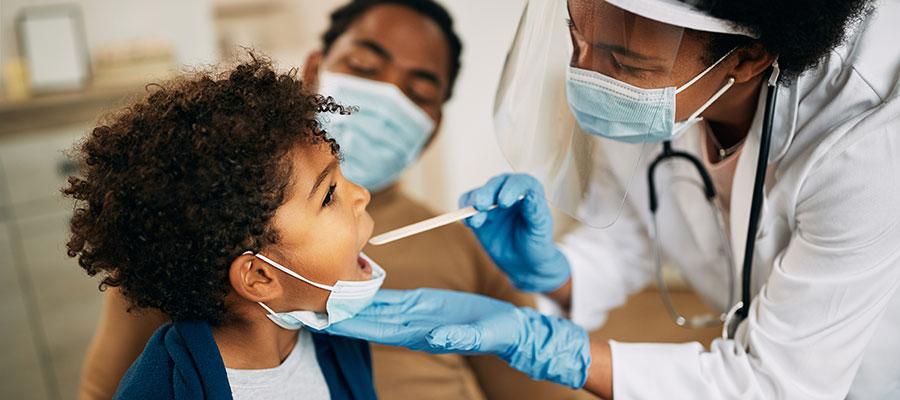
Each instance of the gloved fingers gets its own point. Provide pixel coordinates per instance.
(537, 212)
(377, 330)
(390, 296)
(519, 187)
(527, 190)
(482, 199)
(475, 221)
(361, 327)
(486, 196)
(414, 304)
(455, 338)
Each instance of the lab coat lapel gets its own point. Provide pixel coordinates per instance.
(741, 197)
(742, 186)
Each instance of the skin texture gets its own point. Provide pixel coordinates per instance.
(392, 44)
(335, 208)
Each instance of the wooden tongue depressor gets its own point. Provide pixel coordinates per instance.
(426, 225)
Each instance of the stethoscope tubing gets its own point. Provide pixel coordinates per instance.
(756, 206)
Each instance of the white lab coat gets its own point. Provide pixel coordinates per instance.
(825, 319)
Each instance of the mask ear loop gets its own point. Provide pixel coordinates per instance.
(269, 310)
(713, 99)
(291, 273)
(287, 271)
(705, 71)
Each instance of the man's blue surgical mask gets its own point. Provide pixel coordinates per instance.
(383, 137)
(610, 108)
(347, 298)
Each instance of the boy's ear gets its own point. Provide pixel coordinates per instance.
(310, 74)
(752, 61)
(253, 279)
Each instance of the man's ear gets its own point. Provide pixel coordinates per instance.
(253, 279)
(752, 60)
(310, 74)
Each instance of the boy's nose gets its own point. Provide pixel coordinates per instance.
(361, 197)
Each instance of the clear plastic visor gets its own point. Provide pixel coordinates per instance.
(586, 91)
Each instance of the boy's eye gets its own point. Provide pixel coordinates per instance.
(329, 197)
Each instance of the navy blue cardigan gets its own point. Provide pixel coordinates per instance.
(182, 361)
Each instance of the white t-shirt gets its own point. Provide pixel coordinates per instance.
(299, 376)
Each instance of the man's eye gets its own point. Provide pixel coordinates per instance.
(329, 197)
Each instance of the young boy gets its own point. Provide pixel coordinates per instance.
(218, 200)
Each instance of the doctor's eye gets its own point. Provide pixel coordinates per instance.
(329, 197)
(634, 71)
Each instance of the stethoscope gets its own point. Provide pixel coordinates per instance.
(740, 310)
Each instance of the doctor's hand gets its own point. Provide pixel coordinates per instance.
(442, 321)
(518, 234)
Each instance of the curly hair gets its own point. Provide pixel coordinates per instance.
(799, 32)
(175, 186)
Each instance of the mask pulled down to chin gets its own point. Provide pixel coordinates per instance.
(347, 298)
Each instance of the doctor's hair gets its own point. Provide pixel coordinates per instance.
(343, 17)
(799, 32)
(173, 187)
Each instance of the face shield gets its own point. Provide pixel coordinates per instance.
(587, 92)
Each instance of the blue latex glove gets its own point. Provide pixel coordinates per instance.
(442, 321)
(518, 235)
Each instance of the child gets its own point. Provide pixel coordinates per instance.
(219, 200)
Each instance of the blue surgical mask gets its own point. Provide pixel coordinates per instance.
(610, 108)
(382, 138)
(347, 298)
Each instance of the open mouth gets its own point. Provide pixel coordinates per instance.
(364, 265)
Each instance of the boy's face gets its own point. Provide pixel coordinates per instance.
(322, 226)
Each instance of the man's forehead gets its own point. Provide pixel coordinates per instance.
(412, 39)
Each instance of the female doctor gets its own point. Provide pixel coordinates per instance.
(753, 144)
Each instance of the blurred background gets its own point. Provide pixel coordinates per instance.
(66, 62)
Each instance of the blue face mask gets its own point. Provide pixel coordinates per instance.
(382, 138)
(347, 298)
(607, 107)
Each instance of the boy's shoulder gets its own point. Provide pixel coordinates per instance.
(181, 360)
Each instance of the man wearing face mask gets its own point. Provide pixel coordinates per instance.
(397, 62)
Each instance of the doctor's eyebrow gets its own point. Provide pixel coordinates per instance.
(321, 178)
(624, 51)
(613, 47)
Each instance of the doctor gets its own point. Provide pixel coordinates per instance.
(754, 144)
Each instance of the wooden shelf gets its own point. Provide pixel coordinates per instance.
(46, 111)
